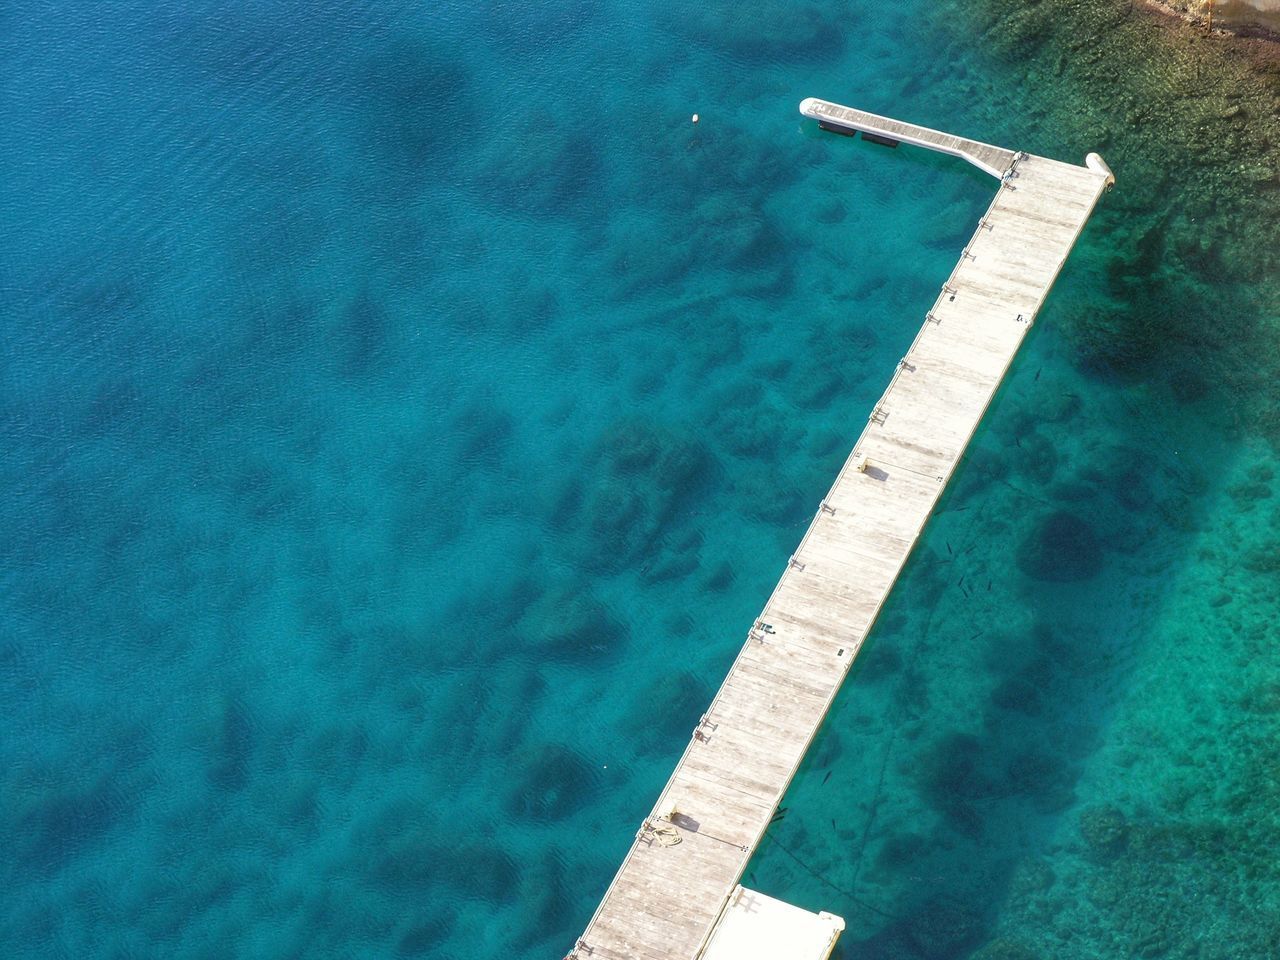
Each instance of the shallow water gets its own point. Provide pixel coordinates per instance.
(406, 412)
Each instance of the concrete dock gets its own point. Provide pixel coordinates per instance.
(683, 867)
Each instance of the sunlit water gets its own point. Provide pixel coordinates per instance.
(405, 412)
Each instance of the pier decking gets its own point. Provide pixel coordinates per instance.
(691, 850)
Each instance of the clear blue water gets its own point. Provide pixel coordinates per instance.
(406, 410)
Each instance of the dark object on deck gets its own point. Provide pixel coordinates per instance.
(883, 141)
(833, 128)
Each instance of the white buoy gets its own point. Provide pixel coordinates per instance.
(695, 118)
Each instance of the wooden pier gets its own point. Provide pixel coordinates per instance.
(691, 850)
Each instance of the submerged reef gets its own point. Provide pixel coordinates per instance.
(1188, 121)
(1061, 548)
(1062, 756)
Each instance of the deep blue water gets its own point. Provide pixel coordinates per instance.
(405, 411)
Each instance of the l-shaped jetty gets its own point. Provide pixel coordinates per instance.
(676, 895)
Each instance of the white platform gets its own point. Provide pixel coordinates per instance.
(756, 927)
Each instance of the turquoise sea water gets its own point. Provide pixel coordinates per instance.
(406, 411)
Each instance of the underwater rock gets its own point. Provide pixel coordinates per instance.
(406, 855)
(646, 477)
(831, 212)
(648, 255)
(403, 81)
(670, 566)
(484, 871)
(545, 903)
(114, 403)
(1264, 560)
(901, 850)
(1057, 656)
(666, 711)
(618, 525)
(1037, 774)
(236, 746)
(1262, 698)
(720, 578)
(1244, 495)
(364, 333)
(982, 466)
(567, 624)
(548, 165)
(633, 446)
(1036, 458)
(827, 748)
(266, 490)
(1004, 949)
(1150, 940)
(911, 692)
(878, 661)
(1061, 407)
(638, 452)
(423, 938)
(771, 501)
(61, 825)
(1072, 492)
(1123, 345)
(1033, 876)
(952, 768)
(748, 426)
(1062, 548)
(1204, 256)
(512, 25)
(1021, 33)
(819, 387)
(485, 700)
(1016, 695)
(775, 368)
(720, 347)
(826, 444)
(680, 624)
(484, 433)
(551, 784)
(735, 235)
(941, 928)
(740, 163)
(1124, 473)
(1104, 831)
(760, 31)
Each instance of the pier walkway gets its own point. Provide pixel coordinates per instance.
(691, 850)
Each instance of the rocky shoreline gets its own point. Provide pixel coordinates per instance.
(1247, 18)
(1188, 121)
